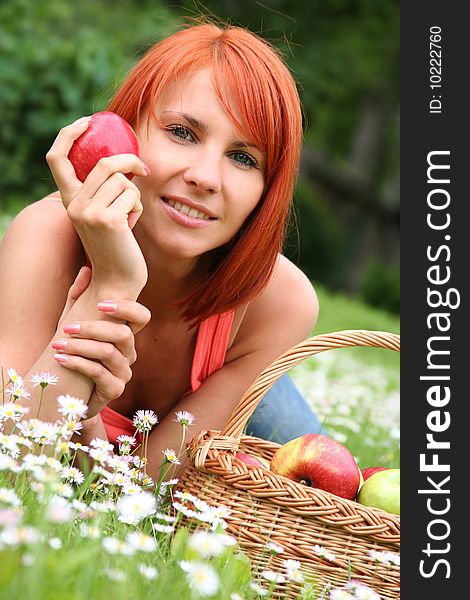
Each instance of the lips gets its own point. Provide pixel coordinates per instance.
(188, 208)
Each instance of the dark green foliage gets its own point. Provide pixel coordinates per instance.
(60, 60)
(381, 286)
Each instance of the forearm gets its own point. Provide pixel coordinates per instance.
(70, 381)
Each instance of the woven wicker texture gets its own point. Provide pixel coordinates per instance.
(266, 507)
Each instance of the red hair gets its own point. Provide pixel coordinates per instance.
(249, 70)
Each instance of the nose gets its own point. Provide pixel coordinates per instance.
(204, 173)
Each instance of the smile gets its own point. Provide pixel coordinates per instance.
(187, 210)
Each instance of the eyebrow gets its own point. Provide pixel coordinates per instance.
(197, 124)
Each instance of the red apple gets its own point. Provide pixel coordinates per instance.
(368, 471)
(107, 134)
(319, 461)
(252, 461)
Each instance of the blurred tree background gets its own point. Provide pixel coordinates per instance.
(60, 60)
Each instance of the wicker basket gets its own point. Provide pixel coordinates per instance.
(266, 507)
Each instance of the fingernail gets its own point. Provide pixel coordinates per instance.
(62, 358)
(59, 344)
(107, 306)
(72, 328)
(82, 121)
(147, 169)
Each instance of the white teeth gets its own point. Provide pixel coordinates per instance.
(187, 210)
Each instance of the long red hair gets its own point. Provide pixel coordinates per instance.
(248, 69)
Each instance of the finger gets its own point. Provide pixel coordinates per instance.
(118, 334)
(104, 352)
(108, 166)
(80, 284)
(135, 314)
(107, 384)
(60, 166)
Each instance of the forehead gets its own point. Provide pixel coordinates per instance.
(195, 93)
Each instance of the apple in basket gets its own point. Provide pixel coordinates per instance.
(253, 461)
(319, 461)
(107, 134)
(368, 471)
(382, 490)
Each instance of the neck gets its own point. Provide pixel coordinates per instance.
(170, 279)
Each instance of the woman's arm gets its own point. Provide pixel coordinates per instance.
(283, 315)
(40, 255)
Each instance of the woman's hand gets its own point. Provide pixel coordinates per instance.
(103, 350)
(103, 209)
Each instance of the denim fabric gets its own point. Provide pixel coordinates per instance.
(283, 414)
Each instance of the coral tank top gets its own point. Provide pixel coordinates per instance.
(209, 356)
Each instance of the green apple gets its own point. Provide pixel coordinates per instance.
(382, 490)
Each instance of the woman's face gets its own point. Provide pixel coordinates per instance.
(205, 178)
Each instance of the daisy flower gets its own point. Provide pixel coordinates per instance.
(208, 544)
(148, 571)
(275, 548)
(18, 391)
(12, 411)
(323, 552)
(184, 417)
(273, 577)
(126, 442)
(293, 570)
(132, 509)
(44, 379)
(73, 474)
(14, 377)
(144, 420)
(101, 444)
(201, 576)
(72, 407)
(170, 456)
(142, 542)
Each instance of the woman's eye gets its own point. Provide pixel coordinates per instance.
(244, 159)
(181, 132)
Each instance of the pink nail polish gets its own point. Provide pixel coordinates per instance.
(72, 328)
(147, 169)
(59, 344)
(107, 306)
(62, 358)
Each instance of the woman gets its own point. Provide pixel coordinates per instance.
(180, 275)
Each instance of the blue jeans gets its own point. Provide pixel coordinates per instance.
(283, 414)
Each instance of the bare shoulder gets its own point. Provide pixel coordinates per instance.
(291, 293)
(281, 316)
(40, 254)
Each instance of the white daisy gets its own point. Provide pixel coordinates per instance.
(184, 417)
(201, 576)
(144, 420)
(132, 509)
(44, 379)
(148, 571)
(140, 541)
(171, 456)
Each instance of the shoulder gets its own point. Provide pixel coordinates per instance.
(284, 314)
(42, 218)
(290, 296)
(40, 254)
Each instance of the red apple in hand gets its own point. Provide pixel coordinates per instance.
(252, 461)
(107, 134)
(368, 471)
(319, 461)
